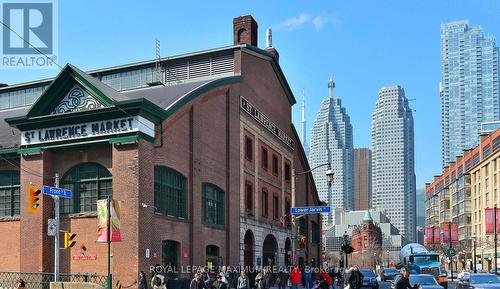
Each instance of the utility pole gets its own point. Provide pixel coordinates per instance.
(56, 236)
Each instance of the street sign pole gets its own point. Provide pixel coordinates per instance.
(56, 236)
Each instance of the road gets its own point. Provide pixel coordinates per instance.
(387, 285)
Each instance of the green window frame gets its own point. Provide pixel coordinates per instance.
(88, 183)
(9, 193)
(212, 205)
(170, 192)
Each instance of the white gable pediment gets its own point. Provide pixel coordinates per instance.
(77, 99)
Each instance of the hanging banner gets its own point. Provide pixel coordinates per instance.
(489, 218)
(437, 232)
(454, 233)
(445, 228)
(102, 221)
(428, 235)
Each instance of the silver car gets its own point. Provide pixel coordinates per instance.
(479, 281)
(425, 281)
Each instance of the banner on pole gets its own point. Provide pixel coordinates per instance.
(489, 218)
(428, 235)
(454, 232)
(446, 233)
(437, 236)
(102, 220)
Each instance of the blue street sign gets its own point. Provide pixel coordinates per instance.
(56, 192)
(309, 210)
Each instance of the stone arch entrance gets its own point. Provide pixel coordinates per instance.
(269, 251)
(248, 249)
(288, 252)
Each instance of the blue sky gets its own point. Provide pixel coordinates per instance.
(364, 45)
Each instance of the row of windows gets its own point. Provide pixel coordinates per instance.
(264, 159)
(249, 195)
(90, 182)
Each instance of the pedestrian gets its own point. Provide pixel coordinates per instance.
(282, 280)
(21, 284)
(295, 277)
(219, 284)
(403, 282)
(328, 280)
(353, 278)
(308, 277)
(243, 281)
(196, 282)
(265, 279)
(143, 281)
(158, 281)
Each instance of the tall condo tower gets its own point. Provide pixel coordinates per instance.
(469, 88)
(331, 142)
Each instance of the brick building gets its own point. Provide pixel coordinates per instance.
(362, 179)
(367, 243)
(181, 153)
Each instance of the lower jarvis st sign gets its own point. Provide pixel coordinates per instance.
(88, 130)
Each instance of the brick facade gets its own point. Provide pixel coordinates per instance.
(204, 141)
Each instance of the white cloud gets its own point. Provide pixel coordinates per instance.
(305, 19)
(295, 22)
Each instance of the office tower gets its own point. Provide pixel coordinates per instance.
(362, 178)
(393, 168)
(469, 88)
(331, 142)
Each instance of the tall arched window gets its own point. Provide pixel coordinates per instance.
(213, 205)
(9, 193)
(170, 192)
(88, 182)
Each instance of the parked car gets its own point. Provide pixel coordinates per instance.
(492, 271)
(479, 281)
(369, 279)
(389, 274)
(425, 281)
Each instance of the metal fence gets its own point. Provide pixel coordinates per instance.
(9, 280)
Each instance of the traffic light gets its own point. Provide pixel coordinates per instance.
(34, 198)
(302, 241)
(69, 240)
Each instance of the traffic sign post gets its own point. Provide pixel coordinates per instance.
(309, 210)
(451, 252)
(56, 193)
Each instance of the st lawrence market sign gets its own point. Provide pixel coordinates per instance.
(88, 130)
(265, 122)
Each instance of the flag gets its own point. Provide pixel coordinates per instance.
(102, 221)
(489, 218)
(437, 238)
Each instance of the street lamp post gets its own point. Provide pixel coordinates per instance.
(329, 175)
(387, 258)
(346, 238)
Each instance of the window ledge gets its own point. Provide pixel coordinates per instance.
(10, 218)
(214, 226)
(171, 218)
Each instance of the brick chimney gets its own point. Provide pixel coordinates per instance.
(245, 30)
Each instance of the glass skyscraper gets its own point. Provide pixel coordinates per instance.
(393, 160)
(331, 142)
(469, 89)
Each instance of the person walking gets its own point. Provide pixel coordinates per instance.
(158, 281)
(196, 283)
(219, 284)
(143, 281)
(282, 280)
(354, 278)
(265, 280)
(243, 281)
(404, 282)
(308, 276)
(295, 277)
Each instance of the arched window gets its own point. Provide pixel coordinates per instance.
(213, 205)
(170, 192)
(88, 182)
(9, 193)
